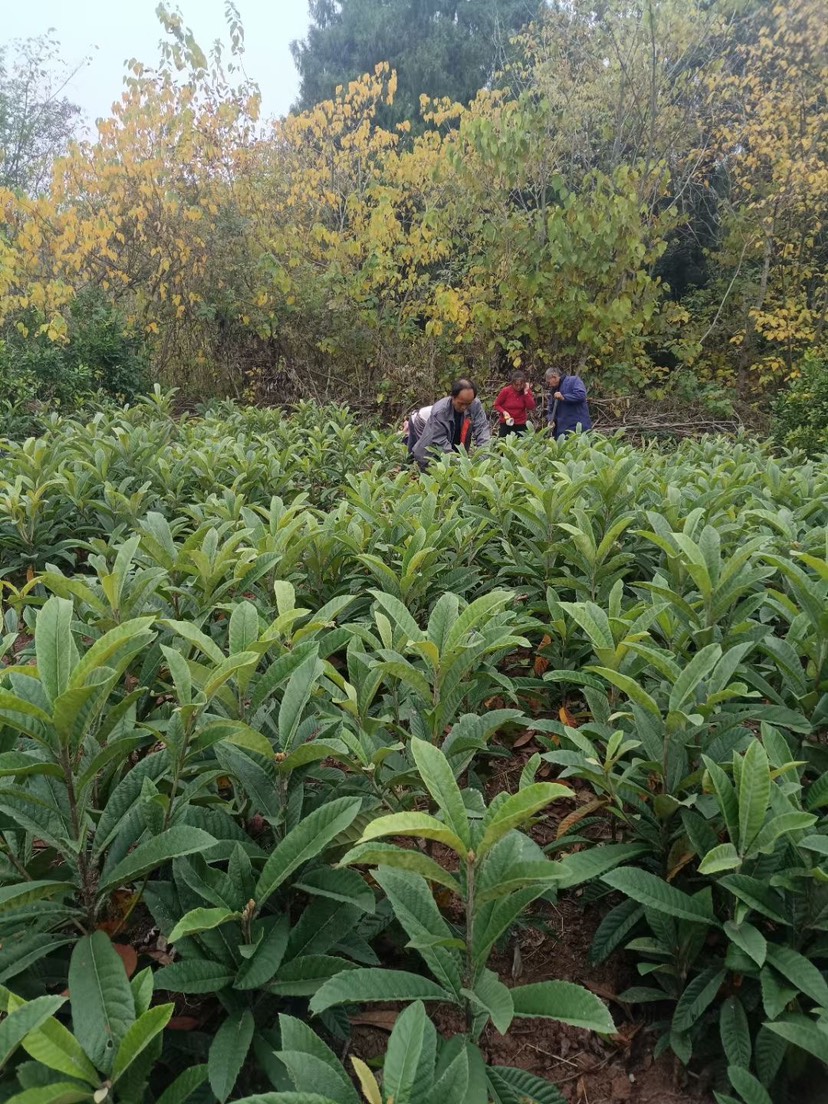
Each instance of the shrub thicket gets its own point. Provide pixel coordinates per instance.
(801, 414)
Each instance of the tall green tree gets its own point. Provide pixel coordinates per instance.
(37, 120)
(438, 47)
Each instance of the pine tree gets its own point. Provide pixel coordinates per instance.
(438, 47)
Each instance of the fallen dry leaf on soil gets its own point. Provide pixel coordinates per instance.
(129, 957)
(567, 718)
(541, 662)
(579, 814)
(382, 1018)
(524, 738)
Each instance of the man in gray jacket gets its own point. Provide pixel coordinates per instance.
(454, 422)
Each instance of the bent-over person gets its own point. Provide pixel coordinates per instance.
(455, 422)
(414, 425)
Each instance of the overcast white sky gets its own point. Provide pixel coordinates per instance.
(111, 31)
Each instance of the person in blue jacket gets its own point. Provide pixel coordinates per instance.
(567, 408)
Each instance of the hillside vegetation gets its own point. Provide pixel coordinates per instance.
(640, 194)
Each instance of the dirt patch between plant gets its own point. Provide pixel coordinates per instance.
(586, 1068)
(554, 944)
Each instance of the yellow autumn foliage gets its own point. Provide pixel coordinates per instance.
(541, 221)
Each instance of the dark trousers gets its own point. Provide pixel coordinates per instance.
(504, 430)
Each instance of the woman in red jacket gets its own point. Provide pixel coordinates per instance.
(513, 405)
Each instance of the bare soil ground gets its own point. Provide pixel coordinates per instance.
(586, 1068)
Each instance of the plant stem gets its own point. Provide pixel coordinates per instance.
(470, 905)
(13, 859)
(179, 766)
(87, 890)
